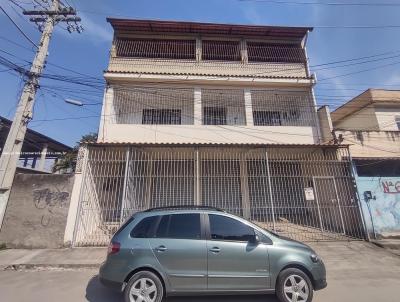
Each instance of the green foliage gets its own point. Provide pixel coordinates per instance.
(2, 246)
(67, 162)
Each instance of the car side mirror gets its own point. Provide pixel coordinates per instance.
(254, 239)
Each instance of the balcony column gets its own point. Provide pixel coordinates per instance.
(243, 51)
(42, 161)
(197, 106)
(107, 113)
(199, 50)
(248, 107)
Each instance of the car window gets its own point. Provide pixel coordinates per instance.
(180, 226)
(226, 228)
(142, 229)
(124, 225)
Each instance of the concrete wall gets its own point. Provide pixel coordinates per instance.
(365, 119)
(382, 213)
(325, 123)
(386, 117)
(37, 211)
(372, 143)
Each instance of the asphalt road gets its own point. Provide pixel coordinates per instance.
(356, 272)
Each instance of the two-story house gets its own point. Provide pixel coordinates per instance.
(212, 114)
(370, 124)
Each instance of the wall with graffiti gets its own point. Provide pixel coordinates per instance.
(380, 198)
(37, 211)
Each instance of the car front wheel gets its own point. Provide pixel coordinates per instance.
(144, 287)
(293, 285)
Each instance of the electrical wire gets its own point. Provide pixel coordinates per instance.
(19, 28)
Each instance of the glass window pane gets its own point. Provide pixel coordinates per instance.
(142, 229)
(225, 228)
(184, 226)
(163, 227)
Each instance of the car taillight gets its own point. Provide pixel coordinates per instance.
(113, 248)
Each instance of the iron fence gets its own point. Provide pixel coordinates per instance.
(306, 193)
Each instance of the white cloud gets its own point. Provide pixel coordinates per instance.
(252, 15)
(94, 31)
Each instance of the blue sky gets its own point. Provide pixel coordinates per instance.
(88, 52)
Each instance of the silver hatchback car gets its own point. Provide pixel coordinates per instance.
(202, 250)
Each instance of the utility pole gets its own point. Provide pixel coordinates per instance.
(46, 20)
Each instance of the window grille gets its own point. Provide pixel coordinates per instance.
(282, 108)
(151, 105)
(221, 50)
(398, 122)
(214, 115)
(162, 116)
(223, 107)
(156, 48)
(265, 52)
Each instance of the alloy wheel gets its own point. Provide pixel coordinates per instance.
(296, 289)
(143, 290)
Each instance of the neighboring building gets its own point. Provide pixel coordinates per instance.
(39, 152)
(212, 114)
(370, 123)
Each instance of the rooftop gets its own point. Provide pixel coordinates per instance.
(365, 99)
(160, 26)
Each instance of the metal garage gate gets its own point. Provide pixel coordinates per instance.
(303, 192)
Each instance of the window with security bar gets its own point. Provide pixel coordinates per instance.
(156, 48)
(221, 50)
(153, 106)
(280, 53)
(223, 107)
(282, 108)
(161, 117)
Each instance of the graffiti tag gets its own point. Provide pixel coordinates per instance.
(48, 200)
(391, 187)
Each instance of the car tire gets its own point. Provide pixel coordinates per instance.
(144, 284)
(293, 281)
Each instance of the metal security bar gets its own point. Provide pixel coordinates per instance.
(306, 193)
(221, 50)
(156, 48)
(223, 107)
(275, 108)
(142, 105)
(266, 52)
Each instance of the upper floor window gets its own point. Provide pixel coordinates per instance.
(214, 115)
(156, 48)
(223, 107)
(221, 50)
(266, 52)
(162, 116)
(282, 108)
(267, 118)
(398, 122)
(153, 105)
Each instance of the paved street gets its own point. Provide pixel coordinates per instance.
(357, 271)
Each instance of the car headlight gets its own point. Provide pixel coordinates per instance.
(314, 258)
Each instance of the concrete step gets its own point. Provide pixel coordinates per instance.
(392, 245)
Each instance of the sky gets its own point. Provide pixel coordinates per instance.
(333, 39)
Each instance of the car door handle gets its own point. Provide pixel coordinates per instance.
(215, 250)
(161, 248)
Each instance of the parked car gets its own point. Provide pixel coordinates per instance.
(183, 251)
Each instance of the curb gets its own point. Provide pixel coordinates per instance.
(18, 267)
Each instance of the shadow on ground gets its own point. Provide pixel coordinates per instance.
(96, 292)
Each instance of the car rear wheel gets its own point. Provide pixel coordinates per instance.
(293, 285)
(144, 287)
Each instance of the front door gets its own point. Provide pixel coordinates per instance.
(330, 210)
(180, 249)
(234, 263)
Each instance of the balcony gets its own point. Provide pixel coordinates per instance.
(202, 115)
(233, 58)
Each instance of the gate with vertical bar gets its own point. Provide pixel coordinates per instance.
(303, 192)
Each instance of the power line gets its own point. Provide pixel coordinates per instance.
(374, 4)
(19, 28)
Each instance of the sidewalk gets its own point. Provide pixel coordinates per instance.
(52, 258)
